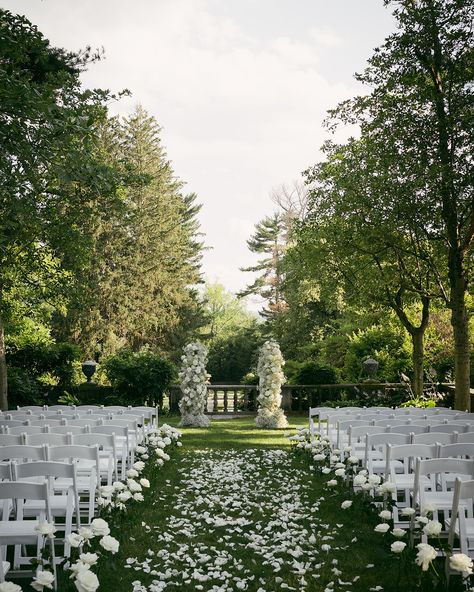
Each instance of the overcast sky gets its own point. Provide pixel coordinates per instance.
(240, 88)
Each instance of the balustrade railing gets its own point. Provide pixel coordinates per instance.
(241, 399)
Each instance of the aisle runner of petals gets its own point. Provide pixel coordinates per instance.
(239, 521)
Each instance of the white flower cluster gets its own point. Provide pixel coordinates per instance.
(117, 495)
(98, 537)
(271, 377)
(194, 379)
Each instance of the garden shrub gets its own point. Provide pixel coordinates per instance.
(316, 373)
(139, 378)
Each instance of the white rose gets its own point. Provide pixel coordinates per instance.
(100, 527)
(109, 544)
(106, 490)
(89, 558)
(347, 504)
(340, 473)
(359, 480)
(75, 540)
(132, 473)
(407, 512)
(86, 581)
(399, 532)
(374, 479)
(138, 497)
(433, 528)
(9, 587)
(426, 554)
(461, 562)
(144, 483)
(133, 486)
(124, 496)
(397, 546)
(385, 515)
(118, 485)
(86, 533)
(139, 465)
(387, 487)
(43, 579)
(46, 529)
(383, 527)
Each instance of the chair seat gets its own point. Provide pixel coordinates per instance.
(407, 481)
(18, 531)
(57, 503)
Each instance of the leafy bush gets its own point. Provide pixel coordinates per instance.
(315, 373)
(388, 343)
(420, 403)
(139, 378)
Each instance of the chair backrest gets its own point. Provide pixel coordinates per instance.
(61, 408)
(377, 443)
(433, 438)
(392, 422)
(26, 429)
(73, 451)
(449, 428)
(10, 439)
(33, 408)
(407, 454)
(84, 422)
(130, 423)
(110, 428)
(86, 407)
(11, 423)
(408, 429)
(43, 468)
(466, 437)
(435, 466)
(5, 473)
(49, 439)
(465, 450)
(21, 451)
(105, 441)
(358, 433)
(18, 491)
(47, 422)
(68, 429)
(464, 417)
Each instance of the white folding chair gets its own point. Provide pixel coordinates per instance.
(46, 422)
(108, 459)
(356, 441)
(49, 439)
(123, 444)
(26, 429)
(434, 480)
(411, 428)
(67, 429)
(465, 437)
(433, 438)
(404, 480)
(84, 422)
(450, 428)
(10, 439)
(22, 452)
(376, 447)
(14, 530)
(342, 438)
(65, 505)
(457, 450)
(461, 521)
(392, 423)
(86, 462)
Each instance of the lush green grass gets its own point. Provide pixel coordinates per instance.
(359, 547)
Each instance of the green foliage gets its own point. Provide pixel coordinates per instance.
(385, 342)
(68, 399)
(420, 403)
(56, 360)
(139, 378)
(315, 373)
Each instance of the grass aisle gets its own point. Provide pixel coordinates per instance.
(235, 509)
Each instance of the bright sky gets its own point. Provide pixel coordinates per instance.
(240, 88)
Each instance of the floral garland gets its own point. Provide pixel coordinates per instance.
(194, 378)
(342, 468)
(90, 542)
(271, 377)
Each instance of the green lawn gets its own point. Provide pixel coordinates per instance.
(358, 554)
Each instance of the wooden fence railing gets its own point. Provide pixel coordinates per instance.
(238, 398)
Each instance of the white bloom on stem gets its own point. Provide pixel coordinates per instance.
(433, 528)
(383, 527)
(426, 554)
(374, 479)
(109, 543)
(100, 527)
(397, 546)
(43, 579)
(385, 514)
(89, 558)
(340, 473)
(86, 581)
(359, 480)
(144, 483)
(347, 504)
(461, 562)
(387, 487)
(46, 529)
(407, 511)
(10, 587)
(331, 483)
(399, 532)
(75, 539)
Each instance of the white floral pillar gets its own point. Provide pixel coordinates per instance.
(271, 378)
(194, 379)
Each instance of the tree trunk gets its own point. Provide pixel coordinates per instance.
(3, 370)
(417, 339)
(459, 322)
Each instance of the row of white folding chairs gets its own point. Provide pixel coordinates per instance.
(87, 475)
(116, 448)
(135, 434)
(31, 409)
(14, 496)
(341, 437)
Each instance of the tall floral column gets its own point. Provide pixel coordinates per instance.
(194, 379)
(271, 378)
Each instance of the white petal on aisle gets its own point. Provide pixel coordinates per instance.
(240, 520)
